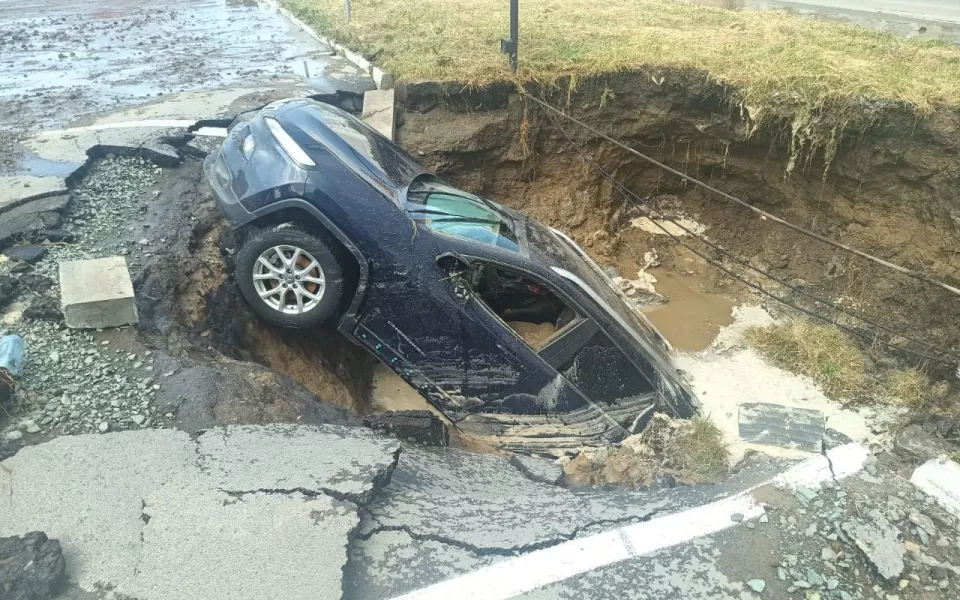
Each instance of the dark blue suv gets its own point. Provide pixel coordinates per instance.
(502, 323)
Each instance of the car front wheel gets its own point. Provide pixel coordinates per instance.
(290, 277)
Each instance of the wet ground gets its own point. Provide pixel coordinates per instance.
(63, 61)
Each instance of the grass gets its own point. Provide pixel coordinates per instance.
(698, 449)
(768, 60)
(908, 386)
(820, 352)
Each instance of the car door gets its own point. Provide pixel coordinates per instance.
(423, 325)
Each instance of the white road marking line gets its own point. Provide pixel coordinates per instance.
(525, 573)
(940, 478)
(123, 125)
(220, 132)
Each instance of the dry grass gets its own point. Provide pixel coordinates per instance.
(820, 352)
(907, 386)
(698, 449)
(769, 59)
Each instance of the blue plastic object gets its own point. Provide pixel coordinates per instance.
(11, 354)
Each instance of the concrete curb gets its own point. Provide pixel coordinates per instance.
(382, 79)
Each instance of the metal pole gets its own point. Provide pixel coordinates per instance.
(346, 7)
(509, 46)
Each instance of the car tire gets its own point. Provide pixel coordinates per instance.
(290, 277)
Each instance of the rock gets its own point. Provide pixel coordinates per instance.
(921, 520)
(538, 469)
(938, 572)
(44, 308)
(138, 419)
(103, 427)
(32, 567)
(31, 426)
(736, 517)
(814, 578)
(781, 574)
(914, 443)
(833, 584)
(879, 544)
(828, 554)
(56, 235)
(27, 254)
(757, 585)
(422, 426)
(8, 289)
(12, 436)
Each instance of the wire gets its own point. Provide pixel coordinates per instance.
(630, 195)
(762, 213)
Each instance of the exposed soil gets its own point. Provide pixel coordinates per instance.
(890, 190)
(206, 313)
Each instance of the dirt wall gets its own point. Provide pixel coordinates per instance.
(884, 180)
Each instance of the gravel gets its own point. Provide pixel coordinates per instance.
(77, 385)
(101, 207)
(71, 382)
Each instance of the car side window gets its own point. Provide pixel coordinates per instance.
(530, 309)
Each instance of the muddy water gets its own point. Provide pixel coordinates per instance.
(692, 318)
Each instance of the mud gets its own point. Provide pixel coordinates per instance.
(890, 189)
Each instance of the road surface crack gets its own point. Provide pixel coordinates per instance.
(505, 551)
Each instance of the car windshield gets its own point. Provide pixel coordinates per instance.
(450, 211)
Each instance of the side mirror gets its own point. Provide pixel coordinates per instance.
(452, 262)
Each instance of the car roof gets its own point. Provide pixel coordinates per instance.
(359, 146)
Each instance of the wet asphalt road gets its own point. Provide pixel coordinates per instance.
(62, 61)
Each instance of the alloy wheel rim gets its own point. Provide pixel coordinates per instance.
(288, 279)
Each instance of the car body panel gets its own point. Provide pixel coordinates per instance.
(415, 308)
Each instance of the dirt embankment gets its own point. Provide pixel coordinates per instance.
(194, 304)
(884, 181)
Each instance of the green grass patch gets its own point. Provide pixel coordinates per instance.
(821, 352)
(769, 60)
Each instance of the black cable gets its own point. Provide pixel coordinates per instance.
(631, 196)
(762, 213)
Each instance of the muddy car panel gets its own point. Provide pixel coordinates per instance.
(420, 305)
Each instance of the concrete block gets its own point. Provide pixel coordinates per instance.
(378, 111)
(97, 293)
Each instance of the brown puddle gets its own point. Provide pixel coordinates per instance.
(692, 318)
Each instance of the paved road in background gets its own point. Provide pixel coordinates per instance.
(926, 19)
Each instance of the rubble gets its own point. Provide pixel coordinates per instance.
(27, 254)
(32, 567)
(879, 543)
